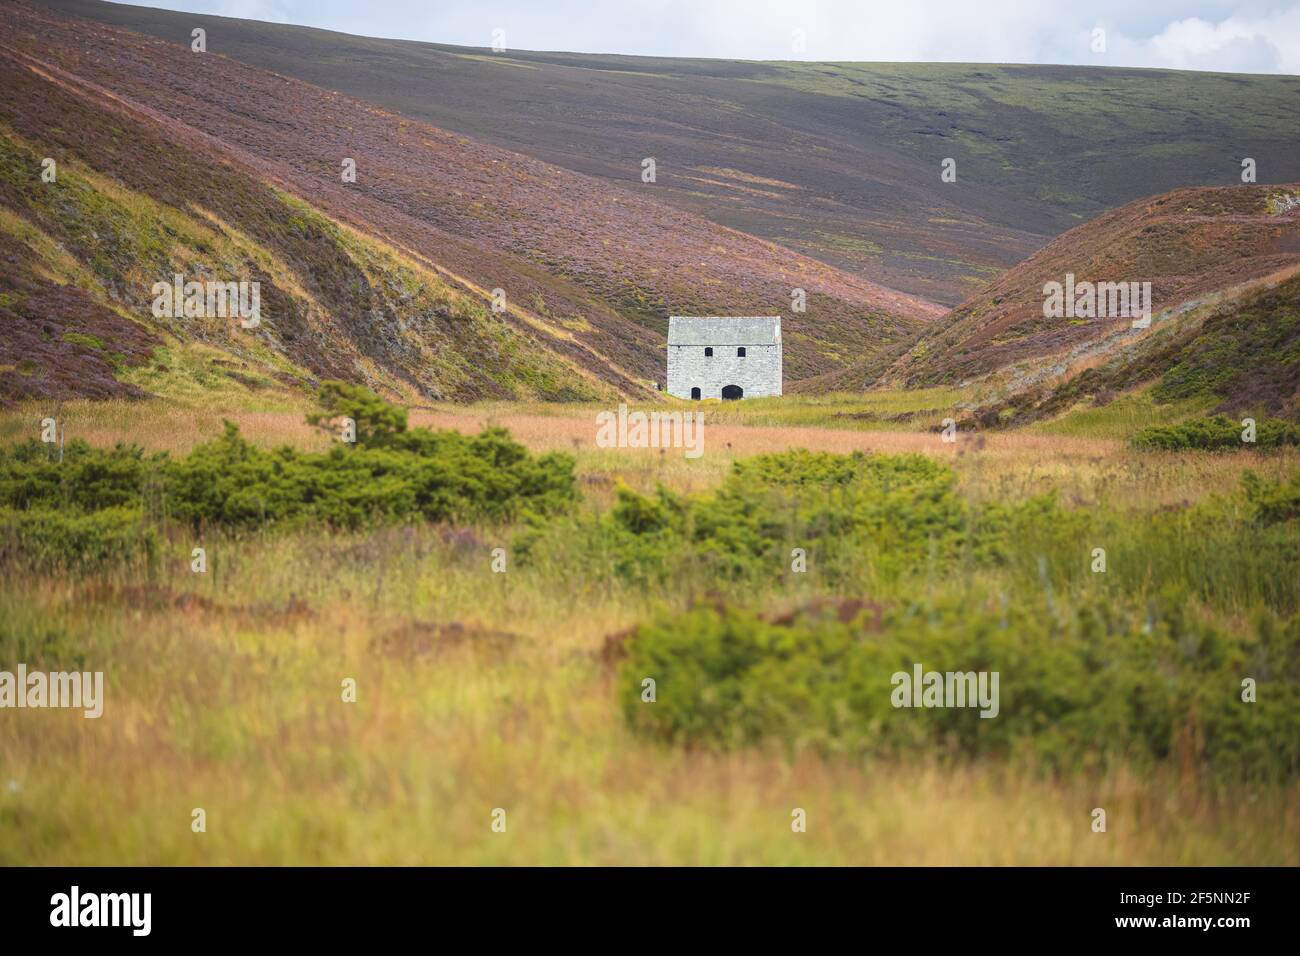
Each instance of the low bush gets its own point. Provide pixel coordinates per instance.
(429, 476)
(886, 515)
(96, 505)
(46, 538)
(1272, 502)
(1076, 687)
(87, 479)
(1217, 433)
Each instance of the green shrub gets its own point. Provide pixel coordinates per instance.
(88, 479)
(431, 476)
(46, 538)
(1217, 433)
(101, 505)
(1076, 688)
(888, 516)
(377, 422)
(1272, 501)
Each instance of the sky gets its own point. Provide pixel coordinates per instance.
(1247, 36)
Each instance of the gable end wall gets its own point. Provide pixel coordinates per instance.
(758, 373)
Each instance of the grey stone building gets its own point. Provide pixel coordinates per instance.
(722, 357)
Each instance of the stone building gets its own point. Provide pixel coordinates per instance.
(723, 357)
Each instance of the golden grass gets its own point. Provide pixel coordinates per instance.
(235, 707)
(1079, 467)
(223, 692)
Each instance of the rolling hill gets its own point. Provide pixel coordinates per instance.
(839, 161)
(179, 162)
(1237, 351)
(529, 185)
(1224, 268)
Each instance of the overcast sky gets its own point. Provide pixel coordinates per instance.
(1232, 35)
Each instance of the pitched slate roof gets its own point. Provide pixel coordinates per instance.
(724, 330)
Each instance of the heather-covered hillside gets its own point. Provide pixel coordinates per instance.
(1188, 244)
(839, 161)
(589, 271)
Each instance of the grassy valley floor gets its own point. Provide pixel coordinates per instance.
(478, 691)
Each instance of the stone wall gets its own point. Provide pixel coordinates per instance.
(758, 373)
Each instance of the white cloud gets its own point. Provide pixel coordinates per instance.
(1233, 35)
(1270, 44)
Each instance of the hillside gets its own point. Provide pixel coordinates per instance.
(83, 253)
(1187, 243)
(839, 161)
(1236, 351)
(172, 161)
(1221, 263)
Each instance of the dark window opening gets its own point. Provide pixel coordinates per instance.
(732, 391)
(695, 393)
(708, 351)
(740, 352)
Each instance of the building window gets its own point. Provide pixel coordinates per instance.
(708, 351)
(740, 352)
(695, 393)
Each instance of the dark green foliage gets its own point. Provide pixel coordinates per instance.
(1273, 502)
(1076, 687)
(90, 507)
(1217, 433)
(46, 538)
(378, 423)
(88, 479)
(83, 512)
(1142, 663)
(890, 514)
(421, 475)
